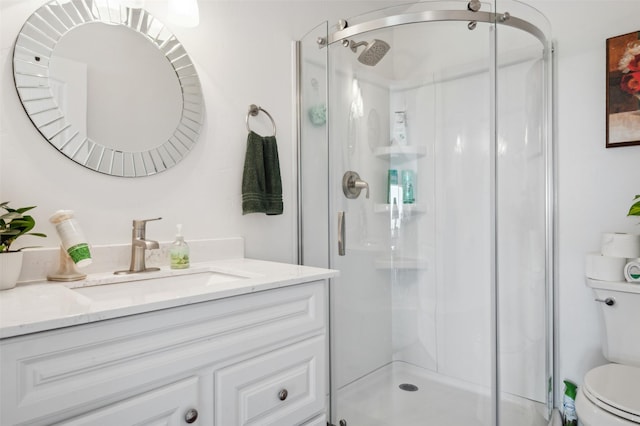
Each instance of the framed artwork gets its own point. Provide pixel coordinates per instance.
(623, 90)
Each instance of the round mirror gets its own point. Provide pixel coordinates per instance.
(110, 88)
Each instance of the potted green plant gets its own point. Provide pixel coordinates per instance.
(634, 210)
(13, 225)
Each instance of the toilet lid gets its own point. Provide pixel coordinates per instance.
(616, 389)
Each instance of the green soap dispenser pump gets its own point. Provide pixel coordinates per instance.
(179, 251)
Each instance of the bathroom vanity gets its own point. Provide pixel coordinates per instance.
(235, 342)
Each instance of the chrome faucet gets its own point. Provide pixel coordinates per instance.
(139, 246)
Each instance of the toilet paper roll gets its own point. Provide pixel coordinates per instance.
(632, 271)
(620, 245)
(605, 268)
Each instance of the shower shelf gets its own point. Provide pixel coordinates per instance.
(401, 152)
(407, 208)
(401, 263)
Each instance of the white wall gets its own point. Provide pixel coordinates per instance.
(243, 55)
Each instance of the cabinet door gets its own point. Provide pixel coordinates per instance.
(283, 387)
(166, 406)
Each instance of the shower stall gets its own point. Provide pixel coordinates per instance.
(425, 177)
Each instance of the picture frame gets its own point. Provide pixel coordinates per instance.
(623, 90)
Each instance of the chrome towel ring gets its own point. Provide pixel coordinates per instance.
(254, 110)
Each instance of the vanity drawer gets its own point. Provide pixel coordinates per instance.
(51, 376)
(278, 388)
(167, 405)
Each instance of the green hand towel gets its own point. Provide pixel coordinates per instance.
(261, 182)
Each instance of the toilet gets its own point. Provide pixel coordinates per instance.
(610, 394)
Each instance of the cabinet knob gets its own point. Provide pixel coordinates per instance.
(283, 394)
(191, 416)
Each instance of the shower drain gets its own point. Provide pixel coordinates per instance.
(408, 387)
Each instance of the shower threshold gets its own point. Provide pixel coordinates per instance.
(378, 400)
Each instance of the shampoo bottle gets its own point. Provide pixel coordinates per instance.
(400, 129)
(179, 251)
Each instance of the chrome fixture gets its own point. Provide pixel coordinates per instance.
(139, 246)
(505, 17)
(436, 16)
(322, 41)
(352, 185)
(254, 110)
(474, 5)
(373, 52)
(609, 301)
(342, 24)
(342, 234)
(409, 387)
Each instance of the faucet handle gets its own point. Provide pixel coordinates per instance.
(140, 223)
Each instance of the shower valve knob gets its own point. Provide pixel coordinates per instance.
(352, 185)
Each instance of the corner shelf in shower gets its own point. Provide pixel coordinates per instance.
(407, 208)
(400, 152)
(404, 263)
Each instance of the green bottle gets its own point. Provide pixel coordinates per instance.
(569, 404)
(179, 251)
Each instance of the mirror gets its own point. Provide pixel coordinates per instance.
(108, 86)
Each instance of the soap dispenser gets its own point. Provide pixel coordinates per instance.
(179, 251)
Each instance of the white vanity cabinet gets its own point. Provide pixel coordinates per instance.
(253, 359)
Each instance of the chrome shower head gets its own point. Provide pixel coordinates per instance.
(373, 52)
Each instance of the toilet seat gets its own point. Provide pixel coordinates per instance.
(616, 389)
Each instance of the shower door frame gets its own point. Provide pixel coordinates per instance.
(344, 32)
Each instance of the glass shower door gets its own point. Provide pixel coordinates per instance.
(411, 335)
(424, 179)
(313, 152)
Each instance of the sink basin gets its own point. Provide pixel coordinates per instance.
(145, 289)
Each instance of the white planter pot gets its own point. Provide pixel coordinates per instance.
(10, 267)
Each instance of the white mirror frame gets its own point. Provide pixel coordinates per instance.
(33, 49)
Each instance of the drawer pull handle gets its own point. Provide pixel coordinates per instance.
(191, 416)
(283, 394)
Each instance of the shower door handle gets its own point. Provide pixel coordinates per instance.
(341, 234)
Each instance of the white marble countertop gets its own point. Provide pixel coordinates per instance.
(40, 306)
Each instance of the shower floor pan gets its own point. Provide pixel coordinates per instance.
(377, 400)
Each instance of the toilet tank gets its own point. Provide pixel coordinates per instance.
(621, 340)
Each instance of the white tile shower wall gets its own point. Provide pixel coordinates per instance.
(414, 291)
(456, 342)
(462, 270)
